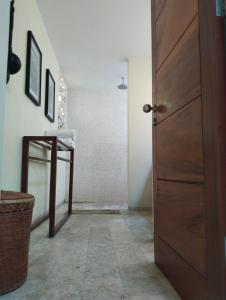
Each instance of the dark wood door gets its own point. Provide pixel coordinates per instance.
(189, 146)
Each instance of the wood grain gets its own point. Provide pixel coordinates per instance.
(178, 81)
(179, 145)
(171, 25)
(188, 283)
(181, 220)
(190, 134)
(158, 6)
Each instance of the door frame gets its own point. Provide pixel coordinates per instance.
(4, 39)
(213, 78)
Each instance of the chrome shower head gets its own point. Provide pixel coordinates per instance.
(123, 86)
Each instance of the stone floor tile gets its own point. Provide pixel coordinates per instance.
(95, 257)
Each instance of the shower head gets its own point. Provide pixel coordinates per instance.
(123, 86)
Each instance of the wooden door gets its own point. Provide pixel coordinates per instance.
(189, 146)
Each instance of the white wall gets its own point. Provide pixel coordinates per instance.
(100, 119)
(140, 133)
(4, 35)
(22, 117)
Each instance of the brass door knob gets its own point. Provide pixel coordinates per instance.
(148, 108)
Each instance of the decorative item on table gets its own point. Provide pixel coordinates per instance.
(50, 97)
(33, 70)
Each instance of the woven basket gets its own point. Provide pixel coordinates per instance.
(15, 225)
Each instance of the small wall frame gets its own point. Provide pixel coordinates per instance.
(33, 70)
(50, 97)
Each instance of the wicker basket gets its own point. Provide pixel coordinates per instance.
(15, 224)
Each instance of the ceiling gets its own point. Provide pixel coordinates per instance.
(93, 39)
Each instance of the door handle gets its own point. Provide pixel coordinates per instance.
(148, 108)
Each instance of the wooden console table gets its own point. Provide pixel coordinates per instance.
(53, 144)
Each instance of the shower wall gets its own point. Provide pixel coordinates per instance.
(100, 120)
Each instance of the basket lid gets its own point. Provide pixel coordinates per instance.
(15, 197)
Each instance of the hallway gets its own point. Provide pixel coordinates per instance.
(95, 257)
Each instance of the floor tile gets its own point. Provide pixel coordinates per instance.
(95, 257)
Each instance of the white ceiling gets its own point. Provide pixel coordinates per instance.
(94, 38)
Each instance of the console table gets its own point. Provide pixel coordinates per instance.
(53, 144)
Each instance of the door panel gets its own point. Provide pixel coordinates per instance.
(178, 81)
(175, 17)
(181, 221)
(189, 146)
(179, 145)
(190, 284)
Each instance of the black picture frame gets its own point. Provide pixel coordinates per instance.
(33, 86)
(50, 97)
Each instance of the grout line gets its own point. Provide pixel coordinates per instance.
(118, 264)
(83, 290)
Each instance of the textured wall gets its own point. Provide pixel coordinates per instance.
(100, 120)
(140, 132)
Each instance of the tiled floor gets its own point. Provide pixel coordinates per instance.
(95, 257)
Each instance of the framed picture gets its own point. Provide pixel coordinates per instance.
(33, 70)
(50, 97)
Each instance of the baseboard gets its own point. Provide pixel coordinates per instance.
(140, 208)
(96, 211)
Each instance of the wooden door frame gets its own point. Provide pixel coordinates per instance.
(154, 137)
(213, 77)
(213, 80)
